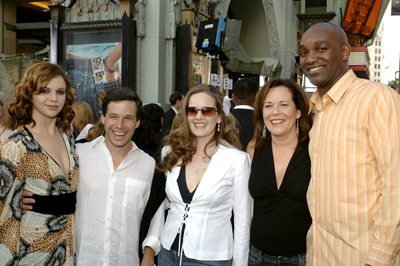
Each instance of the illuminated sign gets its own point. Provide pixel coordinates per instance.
(361, 17)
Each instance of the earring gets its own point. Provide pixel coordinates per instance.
(297, 127)
(264, 133)
(218, 127)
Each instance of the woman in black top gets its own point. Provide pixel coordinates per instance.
(280, 174)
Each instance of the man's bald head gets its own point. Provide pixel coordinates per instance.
(324, 52)
(333, 29)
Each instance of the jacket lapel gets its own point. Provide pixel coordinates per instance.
(216, 170)
(172, 184)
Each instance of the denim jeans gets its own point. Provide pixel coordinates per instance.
(170, 258)
(259, 258)
(87, 91)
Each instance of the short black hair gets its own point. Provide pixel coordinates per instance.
(245, 88)
(118, 94)
(175, 96)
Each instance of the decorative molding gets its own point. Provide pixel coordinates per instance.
(173, 18)
(290, 63)
(272, 29)
(140, 17)
(91, 26)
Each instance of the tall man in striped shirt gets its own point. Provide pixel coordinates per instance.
(354, 192)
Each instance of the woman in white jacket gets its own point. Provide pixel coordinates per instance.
(207, 179)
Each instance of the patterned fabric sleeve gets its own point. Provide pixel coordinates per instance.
(10, 196)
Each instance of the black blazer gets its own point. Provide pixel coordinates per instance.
(168, 119)
(245, 126)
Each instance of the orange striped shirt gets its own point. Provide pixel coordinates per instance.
(354, 192)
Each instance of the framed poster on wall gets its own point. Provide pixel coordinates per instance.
(96, 58)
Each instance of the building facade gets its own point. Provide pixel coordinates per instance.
(376, 56)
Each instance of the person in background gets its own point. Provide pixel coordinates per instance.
(243, 96)
(148, 135)
(353, 196)
(207, 177)
(280, 174)
(91, 132)
(83, 117)
(39, 156)
(176, 100)
(5, 131)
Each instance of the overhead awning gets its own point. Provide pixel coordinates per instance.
(238, 61)
(359, 61)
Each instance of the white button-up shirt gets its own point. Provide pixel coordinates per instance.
(110, 204)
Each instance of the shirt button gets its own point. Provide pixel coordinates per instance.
(110, 197)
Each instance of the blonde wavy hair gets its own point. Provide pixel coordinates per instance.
(83, 115)
(181, 140)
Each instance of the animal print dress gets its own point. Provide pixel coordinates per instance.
(34, 238)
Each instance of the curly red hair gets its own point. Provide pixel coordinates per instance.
(34, 81)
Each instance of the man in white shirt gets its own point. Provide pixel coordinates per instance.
(114, 186)
(115, 178)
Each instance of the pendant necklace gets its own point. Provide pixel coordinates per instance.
(197, 168)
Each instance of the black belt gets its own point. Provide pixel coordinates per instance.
(57, 205)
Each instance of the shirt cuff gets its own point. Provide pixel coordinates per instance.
(153, 243)
(382, 255)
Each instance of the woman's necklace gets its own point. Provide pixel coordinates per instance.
(197, 168)
(205, 160)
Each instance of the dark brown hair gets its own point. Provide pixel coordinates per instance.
(301, 101)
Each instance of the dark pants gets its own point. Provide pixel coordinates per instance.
(259, 258)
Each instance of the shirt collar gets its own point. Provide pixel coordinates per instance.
(336, 92)
(176, 111)
(247, 107)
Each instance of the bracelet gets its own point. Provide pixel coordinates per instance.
(107, 68)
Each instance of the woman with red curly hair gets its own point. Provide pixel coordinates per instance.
(39, 156)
